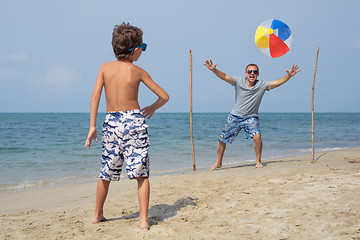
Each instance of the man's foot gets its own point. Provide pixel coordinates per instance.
(216, 165)
(144, 226)
(258, 165)
(98, 219)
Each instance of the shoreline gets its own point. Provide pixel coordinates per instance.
(289, 198)
(31, 185)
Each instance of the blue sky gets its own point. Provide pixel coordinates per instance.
(51, 52)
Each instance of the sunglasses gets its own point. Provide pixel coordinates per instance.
(142, 46)
(253, 71)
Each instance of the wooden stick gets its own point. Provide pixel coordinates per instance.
(312, 107)
(191, 121)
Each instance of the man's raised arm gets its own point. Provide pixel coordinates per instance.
(212, 67)
(294, 70)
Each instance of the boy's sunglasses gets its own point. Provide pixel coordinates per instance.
(142, 46)
(253, 71)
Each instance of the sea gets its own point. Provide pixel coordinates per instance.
(39, 150)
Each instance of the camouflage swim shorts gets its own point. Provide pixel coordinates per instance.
(124, 137)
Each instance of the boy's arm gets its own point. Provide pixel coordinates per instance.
(163, 97)
(274, 84)
(94, 105)
(218, 73)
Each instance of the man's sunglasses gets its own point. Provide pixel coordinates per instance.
(253, 71)
(142, 46)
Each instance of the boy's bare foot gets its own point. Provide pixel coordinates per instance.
(258, 165)
(144, 226)
(216, 165)
(98, 219)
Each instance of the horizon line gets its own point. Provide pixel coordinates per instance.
(192, 112)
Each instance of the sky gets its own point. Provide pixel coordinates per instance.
(51, 52)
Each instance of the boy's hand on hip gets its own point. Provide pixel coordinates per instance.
(148, 112)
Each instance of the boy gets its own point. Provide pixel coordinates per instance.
(124, 135)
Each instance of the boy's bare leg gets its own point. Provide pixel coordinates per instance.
(144, 196)
(258, 150)
(101, 193)
(220, 154)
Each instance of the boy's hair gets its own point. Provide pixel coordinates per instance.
(125, 37)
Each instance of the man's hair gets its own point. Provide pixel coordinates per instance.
(252, 64)
(125, 37)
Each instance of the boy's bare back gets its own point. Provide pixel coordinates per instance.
(121, 83)
(121, 80)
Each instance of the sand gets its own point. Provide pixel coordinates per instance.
(287, 199)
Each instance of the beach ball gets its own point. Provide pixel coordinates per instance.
(273, 38)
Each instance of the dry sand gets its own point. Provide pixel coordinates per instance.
(287, 199)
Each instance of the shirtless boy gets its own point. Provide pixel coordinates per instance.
(124, 134)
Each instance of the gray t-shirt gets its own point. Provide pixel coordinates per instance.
(247, 100)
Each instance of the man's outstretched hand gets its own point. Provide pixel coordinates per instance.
(209, 64)
(294, 70)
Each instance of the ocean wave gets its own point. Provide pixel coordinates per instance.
(41, 183)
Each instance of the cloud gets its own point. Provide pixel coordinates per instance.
(19, 56)
(61, 76)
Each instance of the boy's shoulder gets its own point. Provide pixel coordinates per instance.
(108, 66)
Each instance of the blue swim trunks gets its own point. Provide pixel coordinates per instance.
(233, 126)
(124, 137)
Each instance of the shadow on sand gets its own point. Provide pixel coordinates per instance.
(160, 212)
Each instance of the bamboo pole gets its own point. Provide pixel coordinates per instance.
(191, 120)
(312, 108)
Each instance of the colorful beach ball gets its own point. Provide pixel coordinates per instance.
(273, 38)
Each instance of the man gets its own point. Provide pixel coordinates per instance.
(248, 95)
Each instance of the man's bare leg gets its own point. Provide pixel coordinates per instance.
(144, 196)
(220, 154)
(101, 193)
(258, 150)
